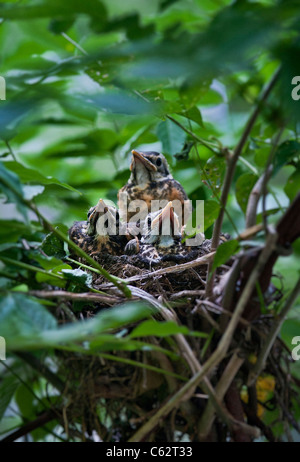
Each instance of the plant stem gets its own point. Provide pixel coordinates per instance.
(208, 415)
(232, 161)
(75, 44)
(28, 267)
(266, 348)
(214, 148)
(109, 299)
(11, 152)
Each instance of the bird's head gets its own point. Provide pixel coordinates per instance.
(161, 227)
(103, 220)
(147, 166)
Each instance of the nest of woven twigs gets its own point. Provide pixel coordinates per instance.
(129, 395)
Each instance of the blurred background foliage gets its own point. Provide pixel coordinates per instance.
(87, 81)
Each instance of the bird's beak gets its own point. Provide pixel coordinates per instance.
(167, 213)
(100, 208)
(139, 157)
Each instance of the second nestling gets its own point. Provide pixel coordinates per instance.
(161, 240)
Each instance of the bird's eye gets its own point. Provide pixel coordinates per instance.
(90, 212)
(158, 162)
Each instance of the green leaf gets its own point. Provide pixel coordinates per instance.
(289, 330)
(243, 188)
(211, 212)
(285, 152)
(47, 263)
(78, 276)
(28, 175)
(57, 270)
(12, 188)
(224, 252)
(261, 156)
(57, 10)
(171, 136)
(12, 230)
(7, 424)
(292, 186)
(193, 114)
(106, 342)
(22, 335)
(24, 399)
(52, 245)
(215, 170)
(8, 387)
(120, 102)
(22, 316)
(159, 329)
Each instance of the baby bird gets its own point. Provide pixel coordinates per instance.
(150, 180)
(161, 240)
(78, 232)
(100, 234)
(104, 230)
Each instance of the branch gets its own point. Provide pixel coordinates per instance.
(109, 299)
(208, 415)
(230, 173)
(30, 426)
(253, 201)
(266, 348)
(215, 149)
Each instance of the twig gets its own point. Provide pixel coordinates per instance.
(266, 176)
(109, 299)
(208, 415)
(75, 44)
(253, 201)
(271, 337)
(230, 173)
(11, 152)
(30, 426)
(28, 267)
(165, 364)
(215, 149)
(187, 293)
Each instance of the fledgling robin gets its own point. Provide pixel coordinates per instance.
(78, 232)
(101, 233)
(150, 180)
(161, 240)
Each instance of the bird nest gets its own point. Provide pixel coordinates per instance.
(113, 395)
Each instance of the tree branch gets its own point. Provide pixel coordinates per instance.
(108, 299)
(269, 342)
(230, 173)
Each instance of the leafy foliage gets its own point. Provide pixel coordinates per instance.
(86, 83)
